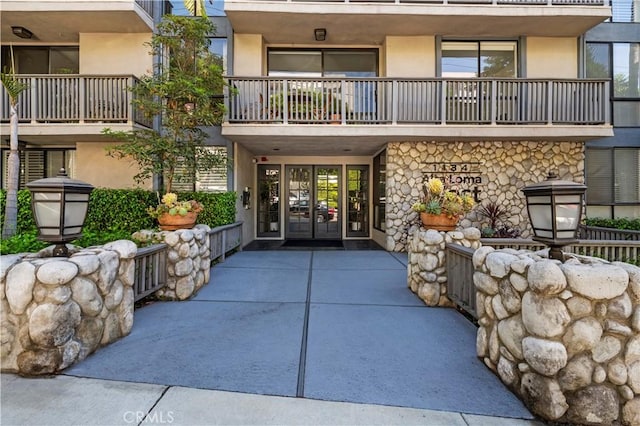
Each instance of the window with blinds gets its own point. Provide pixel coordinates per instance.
(38, 164)
(212, 180)
(612, 175)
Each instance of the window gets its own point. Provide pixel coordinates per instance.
(218, 47)
(619, 62)
(39, 164)
(625, 11)
(318, 63)
(379, 190)
(42, 60)
(613, 176)
(470, 59)
(212, 180)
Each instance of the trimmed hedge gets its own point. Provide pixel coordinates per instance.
(621, 223)
(115, 214)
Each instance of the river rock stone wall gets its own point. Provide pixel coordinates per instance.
(565, 336)
(57, 310)
(427, 268)
(493, 171)
(188, 260)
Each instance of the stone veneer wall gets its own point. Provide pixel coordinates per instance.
(426, 267)
(505, 168)
(188, 260)
(55, 311)
(565, 336)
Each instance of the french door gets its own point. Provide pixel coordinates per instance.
(314, 202)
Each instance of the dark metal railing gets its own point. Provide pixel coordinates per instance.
(411, 101)
(460, 287)
(150, 270)
(75, 99)
(601, 233)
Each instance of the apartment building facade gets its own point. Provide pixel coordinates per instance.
(79, 60)
(338, 111)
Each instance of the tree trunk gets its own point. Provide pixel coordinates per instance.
(11, 208)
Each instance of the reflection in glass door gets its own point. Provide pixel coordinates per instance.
(268, 197)
(327, 218)
(314, 194)
(357, 207)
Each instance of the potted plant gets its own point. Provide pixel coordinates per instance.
(173, 214)
(441, 208)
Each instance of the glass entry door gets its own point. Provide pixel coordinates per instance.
(314, 195)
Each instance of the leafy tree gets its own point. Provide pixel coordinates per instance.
(183, 93)
(14, 87)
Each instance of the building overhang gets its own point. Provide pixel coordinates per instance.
(64, 21)
(261, 139)
(62, 134)
(370, 23)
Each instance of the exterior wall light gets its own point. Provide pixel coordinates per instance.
(59, 208)
(555, 209)
(320, 34)
(21, 32)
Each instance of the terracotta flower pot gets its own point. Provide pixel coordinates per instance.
(169, 222)
(439, 222)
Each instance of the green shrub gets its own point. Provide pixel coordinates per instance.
(114, 214)
(620, 223)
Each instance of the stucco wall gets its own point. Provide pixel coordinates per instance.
(410, 56)
(552, 57)
(495, 172)
(115, 54)
(247, 55)
(244, 176)
(94, 166)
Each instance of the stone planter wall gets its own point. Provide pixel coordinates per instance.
(188, 260)
(55, 311)
(495, 171)
(565, 336)
(427, 269)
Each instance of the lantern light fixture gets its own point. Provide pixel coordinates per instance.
(555, 209)
(21, 32)
(59, 206)
(320, 34)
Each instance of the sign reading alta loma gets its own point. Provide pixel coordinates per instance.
(463, 175)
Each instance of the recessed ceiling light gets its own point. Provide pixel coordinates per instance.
(276, 149)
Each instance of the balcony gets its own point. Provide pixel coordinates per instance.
(64, 106)
(59, 21)
(354, 22)
(269, 111)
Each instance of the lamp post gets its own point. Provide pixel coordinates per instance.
(59, 208)
(555, 209)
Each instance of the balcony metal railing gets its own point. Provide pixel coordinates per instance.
(493, 2)
(75, 99)
(149, 5)
(418, 101)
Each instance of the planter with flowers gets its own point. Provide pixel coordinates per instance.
(173, 214)
(441, 208)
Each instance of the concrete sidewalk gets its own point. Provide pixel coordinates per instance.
(282, 337)
(65, 400)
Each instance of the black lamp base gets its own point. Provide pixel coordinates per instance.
(555, 252)
(60, 250)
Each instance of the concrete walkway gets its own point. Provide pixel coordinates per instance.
(273, 339)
